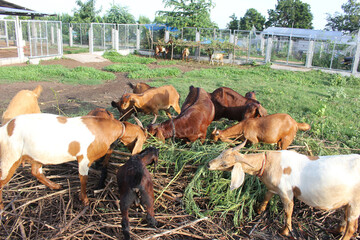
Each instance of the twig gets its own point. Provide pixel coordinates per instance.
(176, 229)
(72, 221)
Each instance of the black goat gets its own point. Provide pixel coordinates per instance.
(134, 181)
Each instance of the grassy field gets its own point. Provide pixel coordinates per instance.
(328, 102)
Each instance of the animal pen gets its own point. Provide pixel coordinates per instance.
(286, 46)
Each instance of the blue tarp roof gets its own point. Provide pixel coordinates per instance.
(157, 27)
(304, 33)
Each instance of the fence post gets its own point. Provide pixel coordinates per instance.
(113, 38)
(262, 45)
(116, 39)
(6, 34)
(70, 36)
(52, 34)
(268, 49)
(19, 39)
(91, 39)
(138, 35)
(167, 36)
(59, 39)
(310, 54)
(197, 39)
(355, 64)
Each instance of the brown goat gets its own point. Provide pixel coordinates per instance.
(231, 105)
(277, 128)
(139, 87)
(134, 136)
(185, 54)
(152, 100)
(24, 102)
(192, 122)
(126, 113)
(134, 182)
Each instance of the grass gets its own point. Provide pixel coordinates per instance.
(126, 67)
(118, 58)
(328, 102)
(54, 73)
(155, 73)
(75, 50)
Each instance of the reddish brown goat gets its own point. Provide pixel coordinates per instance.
(230, 104)
(134, 182)
(153, 100)
(277, 128)
(193, 120)
(161, 49)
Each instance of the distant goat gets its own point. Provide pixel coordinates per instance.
(279, 128)
(151, 101)
(325, 182)
(218, 57)
(185, 54)
(24, 102)
(51, 139)
(135, 182)
(161, 49)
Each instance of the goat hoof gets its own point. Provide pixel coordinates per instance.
(260, 210)
(285, 231)
(85, 201)
(56, 186)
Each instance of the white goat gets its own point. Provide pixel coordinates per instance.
(51, 139)
(217, 56)
(325, 182)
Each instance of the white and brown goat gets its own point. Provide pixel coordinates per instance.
(279, 128)
(324, 182)
(43, 139)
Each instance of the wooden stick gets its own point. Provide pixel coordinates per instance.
(176, 229)
(72, 221)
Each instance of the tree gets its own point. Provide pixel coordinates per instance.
(234, 23)
(87, 12)
(188, 13)
(290, 13)
(252, 18)
(143, 20)
(119, 15)
(348, 22)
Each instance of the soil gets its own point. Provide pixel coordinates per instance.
(71, 99)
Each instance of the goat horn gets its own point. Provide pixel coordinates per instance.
(138, 122)
(237, 148)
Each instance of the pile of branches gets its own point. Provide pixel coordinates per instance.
(32, 211)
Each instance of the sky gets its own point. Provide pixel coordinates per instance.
(219, 14)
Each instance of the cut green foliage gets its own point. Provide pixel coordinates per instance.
(155, 73)
(117, 57)
(168, 62)
(54, 73)
(126, 67)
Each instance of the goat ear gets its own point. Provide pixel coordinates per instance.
(262, 111)
(237, 176)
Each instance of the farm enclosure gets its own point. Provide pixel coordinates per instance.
(183, 185)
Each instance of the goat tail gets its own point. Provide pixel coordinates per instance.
(303, 126)
(136, 176)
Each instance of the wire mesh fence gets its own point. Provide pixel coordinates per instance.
(41, 38)
(8, 45)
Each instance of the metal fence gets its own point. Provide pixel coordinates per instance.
(45, 38)
(41, 38)
(8, 44)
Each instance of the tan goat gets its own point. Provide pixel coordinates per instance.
(24, 102)
(279, 128)
(153, 100)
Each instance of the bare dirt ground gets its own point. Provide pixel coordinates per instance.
(70, 98)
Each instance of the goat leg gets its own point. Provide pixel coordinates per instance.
(36, 171)
(7, 179)
(147, 200)
(265, 202)
(288, 207)
(104, 169)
